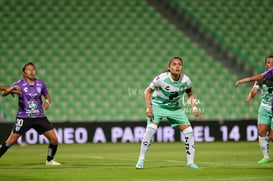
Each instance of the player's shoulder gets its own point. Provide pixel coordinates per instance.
(19, 82)
(163, 75)
(39, 81)
(185, 77)
(269, 71)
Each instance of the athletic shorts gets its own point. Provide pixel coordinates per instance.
(41, 125)
(175, 117)
(264, 116)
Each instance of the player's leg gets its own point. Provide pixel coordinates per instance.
(271, 133)
(180, 120)
(264, 120)
(152, 124)
(52, 147)
(145, 143)
(189, 145)
(20, 127)
(263, 142)
(9, 142)
(46, 128)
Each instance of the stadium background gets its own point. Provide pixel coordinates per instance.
(97, 57)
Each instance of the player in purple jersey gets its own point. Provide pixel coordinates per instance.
(264, 119)
(268, 74)
(31, 112)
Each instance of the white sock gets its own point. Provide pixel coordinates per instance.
(147, 140)
(189, 144)
(264, 146)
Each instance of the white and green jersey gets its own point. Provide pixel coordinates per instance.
(168, 92)
(266, 94)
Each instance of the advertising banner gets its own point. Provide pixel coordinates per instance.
(131, 132)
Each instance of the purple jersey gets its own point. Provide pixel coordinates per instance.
(30, 102)
(268, 74)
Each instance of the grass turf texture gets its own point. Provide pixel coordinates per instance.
(165, 161)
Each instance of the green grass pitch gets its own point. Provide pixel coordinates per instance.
(223, 161)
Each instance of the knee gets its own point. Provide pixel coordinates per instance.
(262, 132)
(52, 138)
(53, 141)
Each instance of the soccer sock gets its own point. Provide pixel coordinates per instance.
(264, 146)
(189, 144)
(3, 148)
(147, 140)
(52, 149)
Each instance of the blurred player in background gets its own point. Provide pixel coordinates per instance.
(162, 101)
(31, 112)
(264, 113)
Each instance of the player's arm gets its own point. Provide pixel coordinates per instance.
(250, 79)
(2, 88)
(47, 101)
(193, 103)
(252, 94)
(147, 93)
(11, 90)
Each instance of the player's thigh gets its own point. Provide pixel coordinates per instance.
(264, 116)
(178, 118)
(22, 125)
(51, 136)
(158, 114)
(42, 125)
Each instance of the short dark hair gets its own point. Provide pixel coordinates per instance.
(29, 63)
(174, 57)
(269, 56)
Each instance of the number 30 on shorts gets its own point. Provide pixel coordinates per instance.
(19, 122)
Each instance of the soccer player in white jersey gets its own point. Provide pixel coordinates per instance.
(265, 112)
(162, 101)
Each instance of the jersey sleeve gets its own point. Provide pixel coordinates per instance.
(44, 90)
(189, 83)
(155, 83)
(17, 83)
(268, 74)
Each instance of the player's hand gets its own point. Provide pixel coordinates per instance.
(149, 112)
(242, 81)
(46, 105)
(14, 90)
(197, 113)
(237, 83)
(249, 99)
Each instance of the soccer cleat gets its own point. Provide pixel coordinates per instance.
(140, 165)
(264, 160)
(192, 165)
(53, 163)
